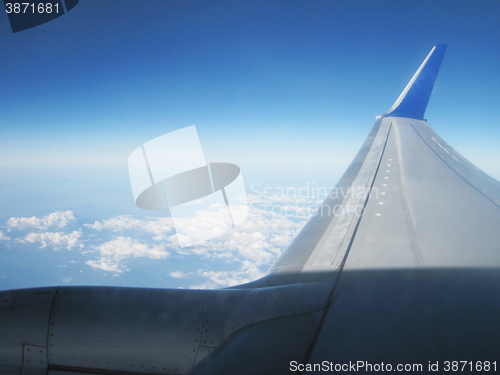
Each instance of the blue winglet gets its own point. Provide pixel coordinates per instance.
(413, 100)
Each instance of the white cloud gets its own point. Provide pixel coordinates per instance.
(3, 236)
(58, 218)
(254, 245)
(178, 275)
(158, 226)
(56, 239)
(202, 224)
(113, 253)
(105, 265)
(260, 239)
(222, 279)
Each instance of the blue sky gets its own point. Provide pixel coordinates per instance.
(287, 90)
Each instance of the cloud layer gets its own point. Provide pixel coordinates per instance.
(113, 244)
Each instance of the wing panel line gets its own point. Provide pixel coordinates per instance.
(410, 225)
(412, 234)
(454, 170)
(331, 296)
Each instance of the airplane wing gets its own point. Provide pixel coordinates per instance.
(397, 271)
(408, 243)
(408, 200)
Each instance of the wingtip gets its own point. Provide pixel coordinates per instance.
(413, 100)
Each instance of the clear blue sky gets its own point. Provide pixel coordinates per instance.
(287, 90)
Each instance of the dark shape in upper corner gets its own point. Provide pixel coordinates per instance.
(413, 100)
(70, 4)
(35, 12)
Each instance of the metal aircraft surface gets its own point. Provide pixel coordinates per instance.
(399, 270)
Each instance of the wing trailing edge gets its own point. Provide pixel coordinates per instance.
(413, 100)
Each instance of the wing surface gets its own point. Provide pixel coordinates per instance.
(409, 242)
(409, 239)
(421, 280)
(408, 199)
